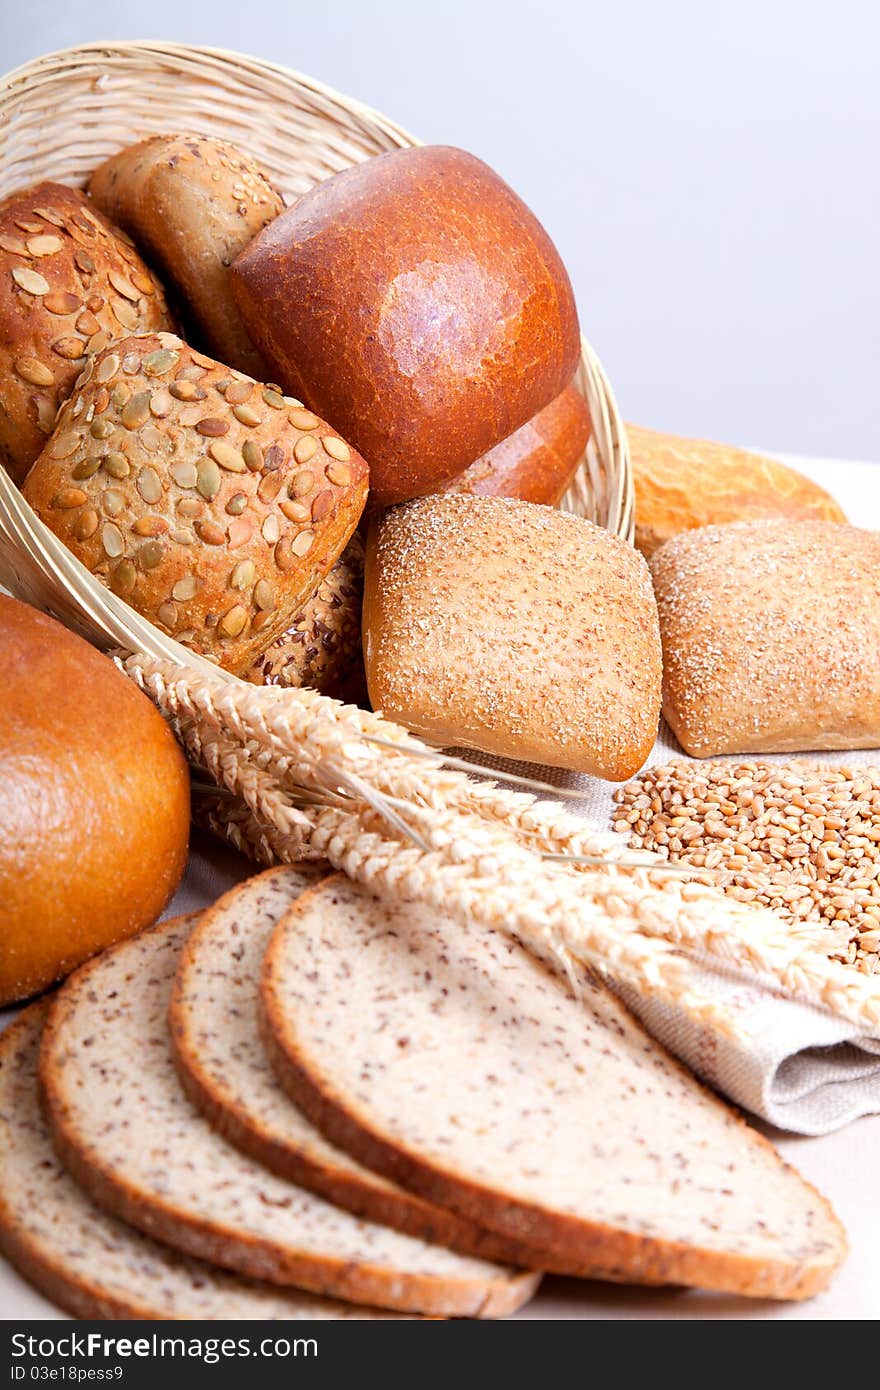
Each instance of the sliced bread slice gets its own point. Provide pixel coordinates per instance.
(126, 1131)
(224, 1070)
(87, 1262)
(454, 1062)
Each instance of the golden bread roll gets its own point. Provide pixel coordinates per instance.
(681, 484)
(69, 284)
(94, 803)
(414, 300)
(193, 203)
(211, 504)
(513, 628)
(537, 462)
(771, 637)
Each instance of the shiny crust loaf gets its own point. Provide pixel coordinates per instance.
(537, 462)
(416, 302)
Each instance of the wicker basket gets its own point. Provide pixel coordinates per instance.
(302, 132)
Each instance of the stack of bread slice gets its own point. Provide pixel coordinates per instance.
(310, 1103)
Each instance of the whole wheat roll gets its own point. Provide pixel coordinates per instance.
(193, 203)
(515, 629)
(771, 637)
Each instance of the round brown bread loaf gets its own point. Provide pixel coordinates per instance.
(212, 504)
(417, 302)
(682, 484)
(537, 462)
(94, 803)
(322, 647)
(193, 204)
(519, 630)
(69, 283)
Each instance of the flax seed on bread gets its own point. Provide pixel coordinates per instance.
(88, 1263)
(558, 1118)
(224, 1070)
(125, 1129)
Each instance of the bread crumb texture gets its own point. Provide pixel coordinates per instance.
(85, 1260)
(551, 1112)
(116, 1100)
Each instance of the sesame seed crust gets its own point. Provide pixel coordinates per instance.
(513, 628)
(771, 637)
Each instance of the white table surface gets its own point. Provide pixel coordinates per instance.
(845, 1166)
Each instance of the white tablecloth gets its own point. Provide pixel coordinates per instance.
(843, 1165)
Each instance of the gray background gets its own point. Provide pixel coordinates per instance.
(710, 172)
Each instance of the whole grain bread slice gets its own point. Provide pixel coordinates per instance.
(457, 1064)
(87, 1262)
(123, 1126)
(224, 1070)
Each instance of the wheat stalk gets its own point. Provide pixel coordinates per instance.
(314, 783)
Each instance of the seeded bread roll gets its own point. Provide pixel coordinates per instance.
(536, 463)
(771, 637)
(127, 1133)
(94, 803)
(193, 204)
(516, 629)
(457, 1064)
(212, 504)
(322, 648)
(69, 284)
(416, 301)
(87, 1262)
(685, 483)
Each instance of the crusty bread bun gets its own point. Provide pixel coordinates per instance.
(69, 283)
(192, 204)
(771, 637)
(94, 803)
(513, 628)
(416, 302)
(212, 505)
(681, 484)
(537, 461)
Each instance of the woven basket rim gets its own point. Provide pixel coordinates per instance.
(32, 66)
(602, 487)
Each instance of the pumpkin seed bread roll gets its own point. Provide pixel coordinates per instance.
(322, 647)
(513, 628)
(193, 204)
(69, 284)
(212, 504)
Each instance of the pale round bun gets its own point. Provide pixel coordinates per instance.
(94, 803)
